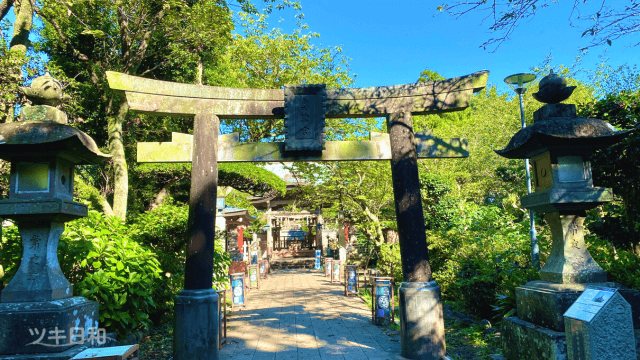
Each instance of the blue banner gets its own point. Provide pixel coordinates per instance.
(237, 286)
(383, 298)
(318, 260)
(352, 277)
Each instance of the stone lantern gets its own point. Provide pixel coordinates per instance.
(43, 151)
(559, 144)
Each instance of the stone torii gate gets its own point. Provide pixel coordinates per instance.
(303, 109)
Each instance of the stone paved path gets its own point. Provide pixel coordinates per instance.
(298, 314)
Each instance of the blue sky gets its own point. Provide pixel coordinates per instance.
(391, 42)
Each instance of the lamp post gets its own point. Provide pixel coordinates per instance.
(519, 83)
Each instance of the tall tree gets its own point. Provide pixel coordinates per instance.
(84, 39)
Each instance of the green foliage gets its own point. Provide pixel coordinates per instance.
(120, 274)
(164, 230)
(440, 203)
(175, 179)
(10, 77)
(10, 254)
(363, 191)
(389, 262)
(481, 259)
(622, 266)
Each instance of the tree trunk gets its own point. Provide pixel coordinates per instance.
(120, 172)
(379, 235)
(93, 195)
(23, 10)
(22, 27)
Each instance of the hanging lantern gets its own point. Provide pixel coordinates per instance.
(327, 267)
(318, 263)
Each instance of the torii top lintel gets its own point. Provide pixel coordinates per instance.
(177, 99)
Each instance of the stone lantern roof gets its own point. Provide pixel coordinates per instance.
(43, 129)
(558, 127)
(47, 138)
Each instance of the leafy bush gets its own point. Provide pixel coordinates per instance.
(164, 230)
(118, 272)
(440, 205)
(485, 256)
(10, 254)
(622, 266)
(389, 262)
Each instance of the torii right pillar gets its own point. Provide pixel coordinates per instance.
(421, 319)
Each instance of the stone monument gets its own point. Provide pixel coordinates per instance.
(599, 326)
(559, 144)
(38, 312)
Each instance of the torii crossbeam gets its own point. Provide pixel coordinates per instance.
(421, 309)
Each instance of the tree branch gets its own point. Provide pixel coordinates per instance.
(5, 5)
(77, 54)
(144, 43)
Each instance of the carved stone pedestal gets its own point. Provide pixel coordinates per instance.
(23, 325)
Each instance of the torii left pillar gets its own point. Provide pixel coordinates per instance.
(196, 319)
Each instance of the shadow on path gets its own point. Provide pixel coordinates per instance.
(298, 314)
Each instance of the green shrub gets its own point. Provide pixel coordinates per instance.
(485, 257)
(10, 254)
(389, 262)
(622, 266)
(164, 230)
(117, 272)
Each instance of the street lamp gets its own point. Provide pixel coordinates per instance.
(519, 83)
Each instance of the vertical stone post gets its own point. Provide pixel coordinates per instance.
(196, 319)
(421, 320)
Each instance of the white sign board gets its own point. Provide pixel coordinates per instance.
(589, 303)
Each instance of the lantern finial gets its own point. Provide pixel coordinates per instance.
(553, 89)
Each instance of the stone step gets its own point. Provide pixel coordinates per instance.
(292, 263)
(293, 253)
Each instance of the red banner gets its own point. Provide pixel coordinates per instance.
(240, 242)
